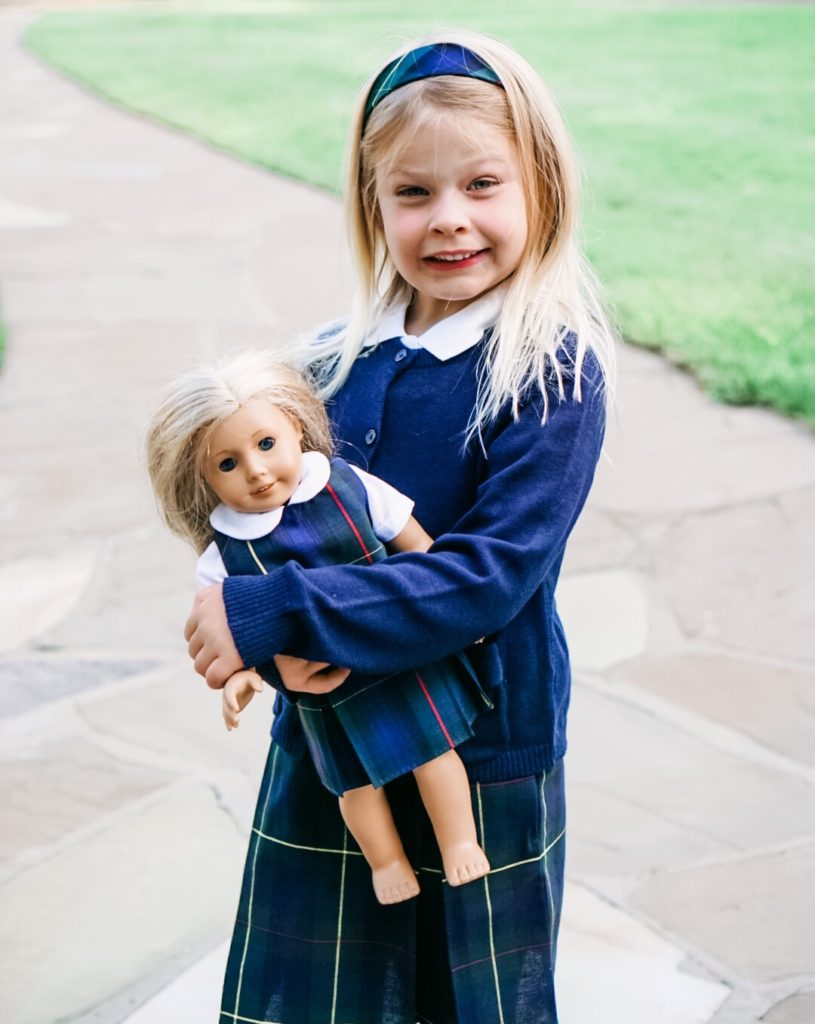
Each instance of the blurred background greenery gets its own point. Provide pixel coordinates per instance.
(695, 125)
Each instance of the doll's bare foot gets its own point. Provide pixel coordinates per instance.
(395, 882)
(464, 862)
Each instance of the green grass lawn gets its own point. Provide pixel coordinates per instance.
(695, 126)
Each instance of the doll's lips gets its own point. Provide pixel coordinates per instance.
(263, 489)
(454, 259)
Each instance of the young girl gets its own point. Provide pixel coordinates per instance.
(248, 432)
(472, 375)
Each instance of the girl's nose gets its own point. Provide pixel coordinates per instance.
(449, 214)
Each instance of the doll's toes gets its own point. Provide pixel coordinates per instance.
(395, 883)
(465, 864)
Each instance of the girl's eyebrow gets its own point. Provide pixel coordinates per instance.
(483, 163)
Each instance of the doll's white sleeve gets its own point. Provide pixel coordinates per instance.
(389, 509)
(210, 567)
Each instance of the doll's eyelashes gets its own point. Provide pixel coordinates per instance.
(225, 465)
(266, 443)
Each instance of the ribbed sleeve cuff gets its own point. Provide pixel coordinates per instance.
(257, 612)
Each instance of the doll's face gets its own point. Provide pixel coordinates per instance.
(253, 460)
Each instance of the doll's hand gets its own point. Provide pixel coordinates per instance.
(210, 642)
(240, 688)
(302, 676)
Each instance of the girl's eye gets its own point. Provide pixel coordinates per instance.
(411, 190)
(226, 465)
(266, 444)
(481, 183)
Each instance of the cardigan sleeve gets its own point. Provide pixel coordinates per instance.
(473, 580)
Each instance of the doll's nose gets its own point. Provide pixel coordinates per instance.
(255, 468)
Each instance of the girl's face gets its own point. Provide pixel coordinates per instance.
(253, 460)
(453, 214)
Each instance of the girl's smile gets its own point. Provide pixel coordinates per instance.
(453, 215)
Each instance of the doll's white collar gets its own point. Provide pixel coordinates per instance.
(451, 336)
(316, 470)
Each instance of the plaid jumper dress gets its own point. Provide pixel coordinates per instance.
(372, 729)
(311, 945)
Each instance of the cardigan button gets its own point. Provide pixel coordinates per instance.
(400, 355)
(370, 437)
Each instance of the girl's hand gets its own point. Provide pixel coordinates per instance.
(240, 688)
(209, 640)
(302, 676)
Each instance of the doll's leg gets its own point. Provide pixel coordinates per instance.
(367, 814)
(445, 792)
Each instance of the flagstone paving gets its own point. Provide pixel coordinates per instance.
(126, 252)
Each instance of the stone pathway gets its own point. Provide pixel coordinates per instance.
(127, 251)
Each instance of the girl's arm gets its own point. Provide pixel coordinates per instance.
(479, 575)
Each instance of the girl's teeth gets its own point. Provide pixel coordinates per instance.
(455, 259)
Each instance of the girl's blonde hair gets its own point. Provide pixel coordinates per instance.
(190, 410)
(553, 293)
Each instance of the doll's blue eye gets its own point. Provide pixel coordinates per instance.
(225, 465)
(266, 443)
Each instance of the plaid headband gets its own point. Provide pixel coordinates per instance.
(427, 62)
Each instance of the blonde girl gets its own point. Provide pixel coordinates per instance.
(238, 454)
(473, 375)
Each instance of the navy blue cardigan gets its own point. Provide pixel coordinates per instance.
(501, 517)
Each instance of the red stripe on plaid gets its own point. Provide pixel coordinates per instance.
(350, 522)
(435, 711)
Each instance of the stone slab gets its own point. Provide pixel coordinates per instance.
(27, 682)
(612, 967)
(599, 541)
(797, 1009)
(605, 617)
(179, 716)
(141, 593)
(742, 577)
(39, 592)
(754, 915)
(59, 787)
(192, 998)
(773, 704)
(17, 215)
(110, 909)
(675, 451)
(671, 798)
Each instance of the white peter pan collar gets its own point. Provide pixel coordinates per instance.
(451, 336)
(316, 470)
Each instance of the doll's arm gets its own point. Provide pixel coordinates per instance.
(240, 688)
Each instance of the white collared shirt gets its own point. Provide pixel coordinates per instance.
(451, 336)
(389, 510)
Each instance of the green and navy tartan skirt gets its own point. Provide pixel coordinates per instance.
(311, 944)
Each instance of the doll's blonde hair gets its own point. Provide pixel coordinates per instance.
(551, 294)
(193, 406)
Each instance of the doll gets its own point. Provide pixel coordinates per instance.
(240, 460)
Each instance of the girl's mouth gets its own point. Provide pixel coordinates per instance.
(454, 260)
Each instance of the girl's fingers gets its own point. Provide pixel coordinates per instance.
(194, 645)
